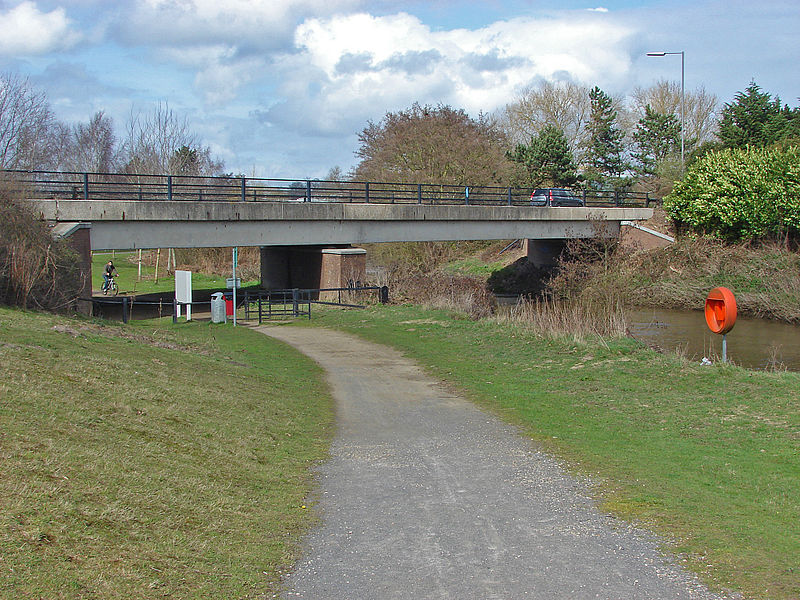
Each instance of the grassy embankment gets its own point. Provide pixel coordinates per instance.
(152, 460)
(707, 456)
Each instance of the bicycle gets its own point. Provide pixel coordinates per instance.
(110, 287)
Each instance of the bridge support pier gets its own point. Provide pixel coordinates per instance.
(311, 267)
(275, 267)
(78, 236)
(544, 253)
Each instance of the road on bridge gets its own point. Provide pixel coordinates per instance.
(425, 496)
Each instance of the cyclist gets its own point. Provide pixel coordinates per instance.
(108, 272)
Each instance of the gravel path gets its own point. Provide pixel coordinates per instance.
(425, 496)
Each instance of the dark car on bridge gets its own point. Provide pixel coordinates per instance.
(555, 197)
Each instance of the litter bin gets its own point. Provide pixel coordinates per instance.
(229, 304)
(217, 308)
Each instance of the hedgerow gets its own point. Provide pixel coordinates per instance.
(740, 194)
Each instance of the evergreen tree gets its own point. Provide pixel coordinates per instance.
(606, 156)
(547, 159)
(756, 119)
(657, 138)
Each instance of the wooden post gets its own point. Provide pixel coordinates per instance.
(158, 257)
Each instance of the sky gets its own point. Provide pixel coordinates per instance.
(281, 88)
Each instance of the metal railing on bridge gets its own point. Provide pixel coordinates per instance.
(67, 185)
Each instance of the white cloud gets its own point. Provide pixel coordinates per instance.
(220, 71)
(244, 23)
(29, 31)
(228, 43)
(354, 67)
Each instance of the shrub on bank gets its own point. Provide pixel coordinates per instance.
(36, 271)
(742, 193)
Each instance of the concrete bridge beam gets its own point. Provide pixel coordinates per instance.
(129, 224)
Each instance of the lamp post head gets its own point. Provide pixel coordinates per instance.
(656, 54)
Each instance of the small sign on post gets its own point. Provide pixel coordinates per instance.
(183, 292)
(721, 314)
(230, 282)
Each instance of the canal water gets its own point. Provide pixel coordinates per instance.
(753, 343)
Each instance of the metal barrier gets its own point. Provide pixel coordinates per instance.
(126, 304)
(294, 303)
(70, 185)
(276, 304)
(260, 304)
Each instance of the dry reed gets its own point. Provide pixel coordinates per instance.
(577, 318)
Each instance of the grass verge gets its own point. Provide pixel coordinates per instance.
(707, 456)
(152, 460)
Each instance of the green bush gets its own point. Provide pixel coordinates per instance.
(746, 193)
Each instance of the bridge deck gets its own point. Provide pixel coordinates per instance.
(125, 224)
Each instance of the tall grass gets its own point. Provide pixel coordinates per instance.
(579, 319)
(217, 261)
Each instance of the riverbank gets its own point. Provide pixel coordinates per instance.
(152, 460)
(705, 456)
(765, 278)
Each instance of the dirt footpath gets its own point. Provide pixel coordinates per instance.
(425, 496)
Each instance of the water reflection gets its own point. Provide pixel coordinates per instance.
(753, 343)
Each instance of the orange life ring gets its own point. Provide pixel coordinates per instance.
(720, 310)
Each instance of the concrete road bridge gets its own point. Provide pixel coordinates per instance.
(301, 224)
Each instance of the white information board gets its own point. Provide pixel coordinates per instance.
(183, 292)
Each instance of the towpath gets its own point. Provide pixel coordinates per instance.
(426, 496)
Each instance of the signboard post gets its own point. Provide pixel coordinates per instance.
(235, 282)
(721, 314)
(183, 292)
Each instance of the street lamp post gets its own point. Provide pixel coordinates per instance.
(683, 118)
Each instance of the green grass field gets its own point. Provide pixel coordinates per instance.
(129, 281)
(152, 460)
(707, 456)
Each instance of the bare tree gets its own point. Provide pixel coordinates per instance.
(95, 145)
(162, 142)
(564, 105)
(26, 122)
(664, 97)
(86, 147)
(35, 270)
